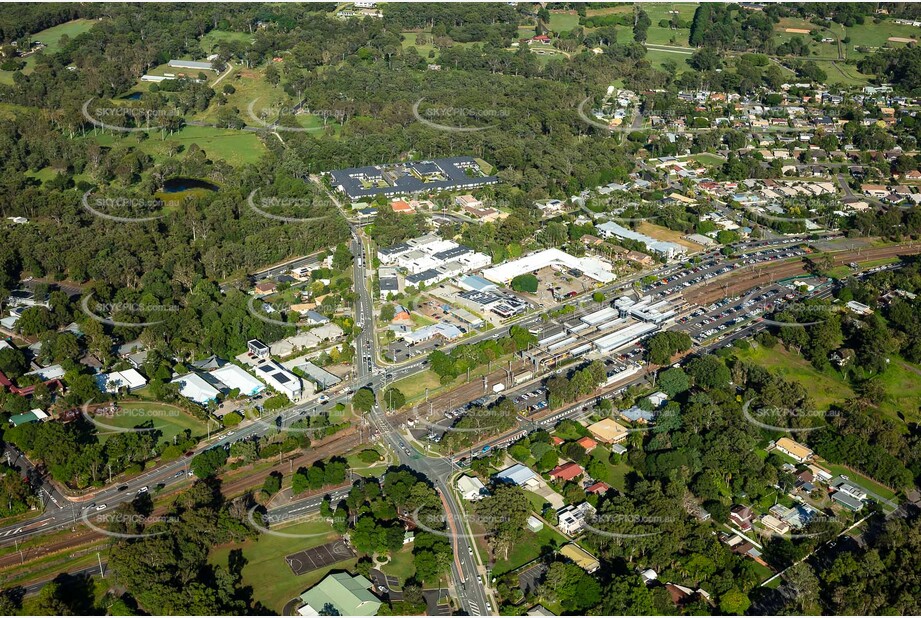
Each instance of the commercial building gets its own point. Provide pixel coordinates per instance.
(411, 177)
(193, 387)
(471, 488)
(280, 379)
(624, 336)
(592, 267)
(668, 250)
(319, 376)
(236, 378)
(344, 594)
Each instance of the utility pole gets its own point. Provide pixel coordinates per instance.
(102, 572)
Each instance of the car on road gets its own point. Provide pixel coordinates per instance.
(101, 507)
(143, 490)
(90, 506)
(479, 578)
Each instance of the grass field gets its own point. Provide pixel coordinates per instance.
(214, 37)
(530, 547)
(234, 147)
(563, 22)
(658, 57)
(870, 34)
(824, 389)
(401, 565)
(414, 386)
(170, 420)
(668, 36)
(272, 581)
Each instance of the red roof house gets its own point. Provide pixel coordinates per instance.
(566, 472)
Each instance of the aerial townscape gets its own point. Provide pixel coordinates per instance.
(460, 308)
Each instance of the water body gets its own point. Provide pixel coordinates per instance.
(134, 96)
(178, 185)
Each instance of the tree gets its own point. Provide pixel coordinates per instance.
(525, 283)
(388, 312)
(208, 463)
(504, 515)
(734, 601)
(272, 484)
(394, 398)
(363, 399)
(674, 381)
(709, 372)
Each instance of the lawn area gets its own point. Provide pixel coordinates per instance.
(414, 386)
(401, 564)
(563, 21)
(663, 36)
(859, 479)
(273, 582)
(170, 420)
(234, 147)
(705, 158)
(537, 501)
(902, 382)
(824, 388)
(214, 37)
(657, 57)
(616, 473)
(530, 547)
(870, 34)
(51, 38)
(250, 87)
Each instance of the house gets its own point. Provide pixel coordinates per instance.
(877, 191)
(580, 557)
(314, 318)
(401, 315)
(598, 488)
(587, 443)
(776, 525)
(519, 475)
(858, 308)
(340, 594)
(741, 516)
(31, 416)
(566, 472)
(115, 381)
(608, 431)
(572, 518)
(658, 399)
(534, 524)
(468, 201)
(912, 175)
(847, 501)
(471, 488)
(793, 449)
(842, 484)
(257, 349)
(265, 287)
(191, 64)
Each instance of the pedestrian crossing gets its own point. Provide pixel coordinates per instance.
(474, 608)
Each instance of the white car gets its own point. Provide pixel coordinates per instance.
(143, 490)
(101, 507)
